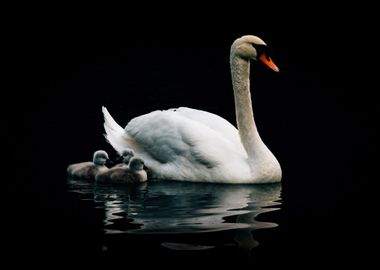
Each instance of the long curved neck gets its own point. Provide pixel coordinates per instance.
(243, 105)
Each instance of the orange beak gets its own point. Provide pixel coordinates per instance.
(268, 62)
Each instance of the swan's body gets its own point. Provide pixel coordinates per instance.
(132, 174)
(194, 145)
(88, 170)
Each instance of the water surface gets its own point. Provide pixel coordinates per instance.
(182, 215)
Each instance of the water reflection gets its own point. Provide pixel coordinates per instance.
(167, 207)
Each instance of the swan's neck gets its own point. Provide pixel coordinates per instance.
(243, 105)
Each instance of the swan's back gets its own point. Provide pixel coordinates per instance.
(213, 121)
(209, 120)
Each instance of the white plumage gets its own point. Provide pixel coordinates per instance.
(194, 145)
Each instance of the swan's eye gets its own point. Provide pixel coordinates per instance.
(261, 49)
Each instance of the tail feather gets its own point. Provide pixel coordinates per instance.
(115, 134)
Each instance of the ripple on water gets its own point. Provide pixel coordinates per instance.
(168, 207)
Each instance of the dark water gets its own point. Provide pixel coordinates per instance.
(177, 224)
(181, 217)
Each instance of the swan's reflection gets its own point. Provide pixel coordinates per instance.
(167, 207)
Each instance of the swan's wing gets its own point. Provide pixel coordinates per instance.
(167, 137)
(160, 135)
(212, 121)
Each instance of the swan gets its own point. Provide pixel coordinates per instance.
(193, 145)
(132, 174)
(88, 170)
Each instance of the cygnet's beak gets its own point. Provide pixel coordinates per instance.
(109, 163)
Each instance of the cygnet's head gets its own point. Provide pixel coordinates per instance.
(136, 164)
(100, 157)
(253, 48)
(127, 154)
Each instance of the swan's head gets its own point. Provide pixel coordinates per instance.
(100, 157)
(136, 164)
(253, 48)
(127, 154)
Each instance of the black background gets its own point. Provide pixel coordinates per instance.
(317, 115)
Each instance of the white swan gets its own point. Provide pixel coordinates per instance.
(88, 170)
(194, 145)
